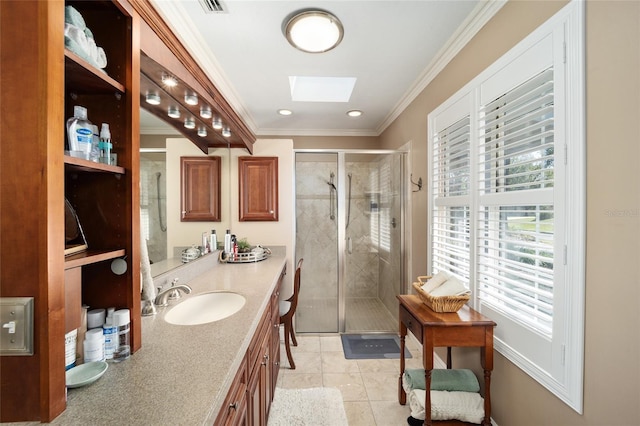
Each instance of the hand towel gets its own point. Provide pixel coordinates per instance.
(460, 380)
(451, 287)
(464, 406)
(435, 281)
(148, 289)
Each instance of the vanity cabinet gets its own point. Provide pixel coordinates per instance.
(200, 189)
(234, 408)
(258, 184)
(41, 82)
(258, 374)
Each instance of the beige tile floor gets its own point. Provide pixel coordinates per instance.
(369, 387)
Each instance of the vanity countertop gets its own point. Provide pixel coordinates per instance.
(181, 374)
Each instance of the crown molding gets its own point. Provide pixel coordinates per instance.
(477, 19)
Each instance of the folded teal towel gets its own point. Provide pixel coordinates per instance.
(460, 380)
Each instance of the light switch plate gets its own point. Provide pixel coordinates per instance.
(16, 326)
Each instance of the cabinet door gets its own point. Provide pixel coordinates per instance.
(234, 407)
(258, 182)
(200, 189)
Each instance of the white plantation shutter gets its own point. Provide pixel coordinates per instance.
(384, 206)
(507, 200)
(450, 180)
(515, 242)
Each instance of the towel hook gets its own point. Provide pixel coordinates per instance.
(418, 183)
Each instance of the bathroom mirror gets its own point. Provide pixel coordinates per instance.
(161, 147)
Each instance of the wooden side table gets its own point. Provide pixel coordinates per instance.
(466, 327)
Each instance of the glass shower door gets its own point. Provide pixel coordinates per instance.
(373, 254)
(317, 241)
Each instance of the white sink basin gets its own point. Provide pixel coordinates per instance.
(205, 308)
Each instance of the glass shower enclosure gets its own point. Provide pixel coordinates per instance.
(350, 232)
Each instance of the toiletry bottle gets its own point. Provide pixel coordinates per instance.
(70, 342)
(93, 345)
(105, 144)
(110, 335)
(95, 318)
(213, 241)
(82, 330)
(227, 241)
(80, 133)
(95, 145)
(234, 247)
(121, 319)
(205, 243)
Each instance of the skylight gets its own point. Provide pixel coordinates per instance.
(321, 89)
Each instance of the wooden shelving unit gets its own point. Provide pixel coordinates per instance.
(42, 81)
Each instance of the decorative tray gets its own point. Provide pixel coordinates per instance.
(252, 256)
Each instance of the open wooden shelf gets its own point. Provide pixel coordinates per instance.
(81, 75)
(88, 257)
(82, 165)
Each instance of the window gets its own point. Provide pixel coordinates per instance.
(507, 200)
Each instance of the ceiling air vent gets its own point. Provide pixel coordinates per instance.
(212, 6)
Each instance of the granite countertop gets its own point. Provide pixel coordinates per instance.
(182, 374)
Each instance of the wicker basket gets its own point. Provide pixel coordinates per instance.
(439, 303)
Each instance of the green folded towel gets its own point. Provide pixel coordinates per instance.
(460, 380)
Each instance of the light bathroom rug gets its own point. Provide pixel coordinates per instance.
(307, 407)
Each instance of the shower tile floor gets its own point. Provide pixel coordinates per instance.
(362, 315)
(369, 386)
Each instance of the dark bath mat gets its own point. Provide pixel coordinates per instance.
(372, 346)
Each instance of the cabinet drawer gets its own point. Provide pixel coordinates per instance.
(411, 322)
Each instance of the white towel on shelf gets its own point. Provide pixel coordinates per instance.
(464, 406)
(451, 287)
(148, 289)
(435, 281)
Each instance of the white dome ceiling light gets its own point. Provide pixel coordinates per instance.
(314, 31)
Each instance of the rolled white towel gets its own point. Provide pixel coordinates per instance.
(451, 287)
(435, 281)
(464, 406)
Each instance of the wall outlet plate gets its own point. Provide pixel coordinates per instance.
(16, 326)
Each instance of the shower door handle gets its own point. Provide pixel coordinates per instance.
(349, 245)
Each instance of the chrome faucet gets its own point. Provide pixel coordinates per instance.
(172, 293)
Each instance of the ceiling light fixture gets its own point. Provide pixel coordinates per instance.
(285, 112)
(173, 112)
(153, 98)
(189, 123)
(226, 132)
(354, 113)
(191, 98)
(217, 123)
(202, 132)
(169, 80)
(205, 112)
(314, 31)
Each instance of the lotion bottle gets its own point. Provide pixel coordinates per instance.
(80, 132)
